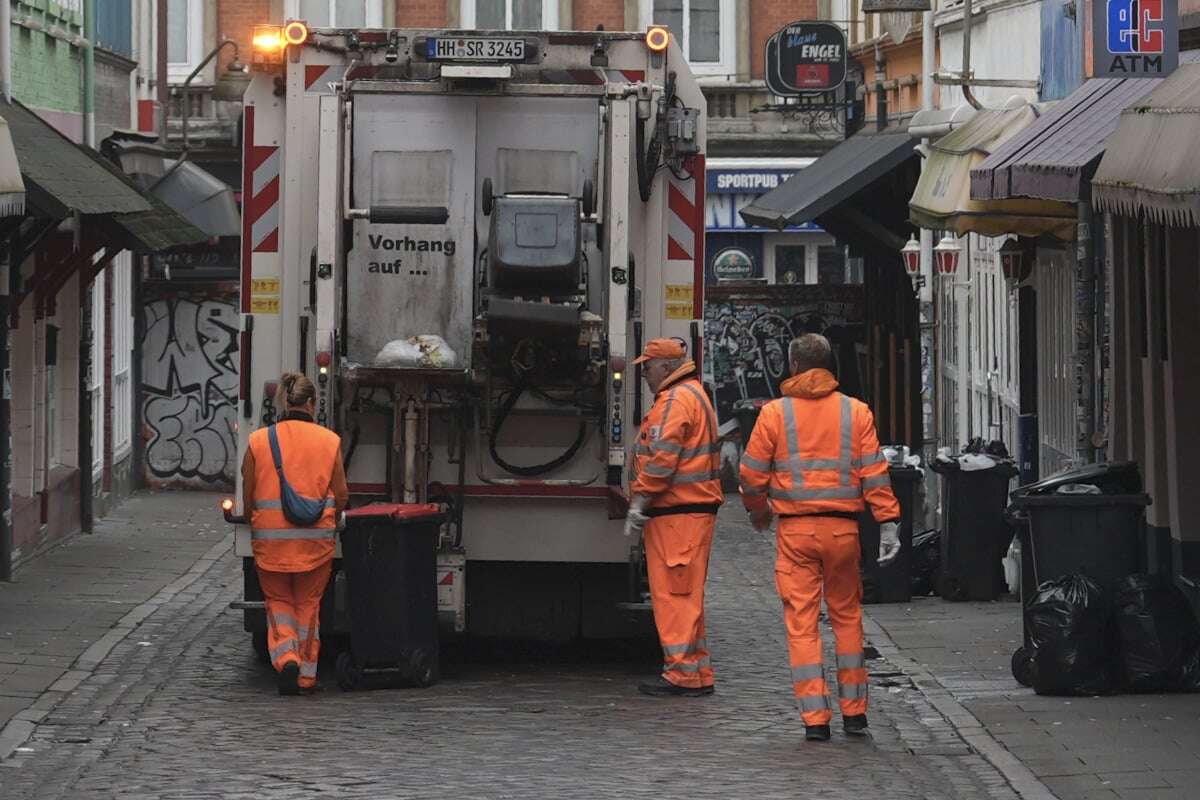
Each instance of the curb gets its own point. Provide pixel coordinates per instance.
(22, 725)
(973, 732)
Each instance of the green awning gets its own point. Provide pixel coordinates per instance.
(942, 200)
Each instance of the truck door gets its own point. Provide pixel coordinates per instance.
(413, 155)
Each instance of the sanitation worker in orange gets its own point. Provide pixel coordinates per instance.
(814, 460)
(294, 488)
(674, 496)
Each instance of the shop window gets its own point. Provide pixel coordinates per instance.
(831, 264)
(185, 37)
(791, 263)
(336, 13)
(510, 15)
(704, 29)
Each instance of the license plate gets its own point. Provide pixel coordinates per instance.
(475, 49)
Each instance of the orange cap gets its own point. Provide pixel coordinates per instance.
(662, 348)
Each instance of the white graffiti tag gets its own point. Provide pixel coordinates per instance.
(190, 381)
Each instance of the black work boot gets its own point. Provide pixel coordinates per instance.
(816, 733)
(658, 686)
(289, 679)
(855, 725)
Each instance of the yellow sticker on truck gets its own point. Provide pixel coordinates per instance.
(677, 301)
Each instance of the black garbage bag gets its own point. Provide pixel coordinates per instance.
(1160, 638)
(1069, 626)
(926, 562)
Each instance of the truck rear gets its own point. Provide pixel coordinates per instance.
(465, 237)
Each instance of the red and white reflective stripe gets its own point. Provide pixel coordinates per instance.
(685, 227)
(260, 196)
(592, 77)
(318, 77)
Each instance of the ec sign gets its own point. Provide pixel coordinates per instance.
(1135, 38)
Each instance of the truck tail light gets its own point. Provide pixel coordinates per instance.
(295, 33)
(267, 44)
(658, 38)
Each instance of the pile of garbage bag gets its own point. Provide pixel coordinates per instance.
(1085, 639)
(426, 351)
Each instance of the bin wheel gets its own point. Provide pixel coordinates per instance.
(421, 668)
(258, 640)
(951, 588)
(349, 676)
(485, 197)
(1022, 666)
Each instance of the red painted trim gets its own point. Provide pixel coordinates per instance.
(587, 77)
(634, 75)
(531, 489)
(698, 226)
(313, 73)
(146, 115)
(248, 190)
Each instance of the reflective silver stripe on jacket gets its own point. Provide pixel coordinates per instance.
(872, 460)
(753, 463)
(851, 661)
(852, 691)
(695, 477)
(847, 454)
(876, 481)
(833, 493)
(671, 447)
(813, 702)
(292, 533)
(277, 505)
(807, 672)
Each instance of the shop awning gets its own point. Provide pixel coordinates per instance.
(62, 178)
(1052, 158)
(831, 180)
(1150, 164)
(12, 188)
(942, 200)
(202, 199)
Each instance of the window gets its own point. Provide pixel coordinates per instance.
(121, 274)
(790, 263)
(831, 264)
(185, 37)
(336, 13)
(95, 375)
(705, 30)
(510, 15)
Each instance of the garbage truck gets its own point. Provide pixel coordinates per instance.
(465, 237)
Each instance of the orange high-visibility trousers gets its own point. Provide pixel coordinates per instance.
(293, 601)
(677, 550)
(815, 554)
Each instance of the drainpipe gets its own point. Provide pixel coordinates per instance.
(927, 297)
(881, 110)
(1085, 338)
(89, 73)
(6, 50)
(161, 87)
(966, 48)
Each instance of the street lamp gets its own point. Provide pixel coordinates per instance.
(1014, 263)
(911, 253)
(946, 256)
(234, 75)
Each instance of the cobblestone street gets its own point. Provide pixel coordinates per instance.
(181, 709)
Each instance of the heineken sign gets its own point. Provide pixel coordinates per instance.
(806, 57)
(1135, 38)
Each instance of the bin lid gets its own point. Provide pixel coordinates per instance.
(400, 511)
(1119, 477)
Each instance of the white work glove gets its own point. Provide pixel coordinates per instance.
(635, 518)
(889, 542)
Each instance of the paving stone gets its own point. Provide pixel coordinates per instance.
(193, 715)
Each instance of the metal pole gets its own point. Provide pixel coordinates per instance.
(6, 534)
(162, 89)
(89, 73)
(187, 83)
(6, 50)
(966, 49)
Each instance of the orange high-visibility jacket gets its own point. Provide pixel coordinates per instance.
(815, 451)
(310, 455)
(677, 461)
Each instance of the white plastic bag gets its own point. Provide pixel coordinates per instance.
(398, 353)
(426, 351)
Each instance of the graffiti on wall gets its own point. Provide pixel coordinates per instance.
(190, 391)
(747, 332)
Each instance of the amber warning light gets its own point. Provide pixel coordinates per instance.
(267, 43)
(295, 33)
(657, 38)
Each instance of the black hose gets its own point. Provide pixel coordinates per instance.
(647, 161)
(539, 469)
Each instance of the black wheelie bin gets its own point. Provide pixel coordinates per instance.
(1100, 535)
(891, 583)
(975, 533)
(389, 552)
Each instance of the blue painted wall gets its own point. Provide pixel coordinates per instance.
(1062, 67)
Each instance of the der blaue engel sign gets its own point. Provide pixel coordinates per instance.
(806, 57)
(1135, 38)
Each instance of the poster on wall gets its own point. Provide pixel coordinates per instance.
(747, 331)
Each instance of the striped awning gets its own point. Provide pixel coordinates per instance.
(12, 188)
